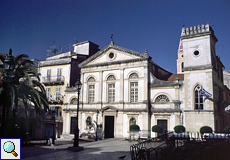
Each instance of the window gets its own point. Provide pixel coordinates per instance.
(111, 88)
(58, 94)
(162, 99)
(111, 92)
(74, 101)
(198, 99)
(196, 53)
(48, 75)
(133, 76)
(91, 79)
(59, 73)
(133, 87)
(91, 89)
(91, 93)
(111, 55)
(111, 77)
(48, 93)
(134, 91)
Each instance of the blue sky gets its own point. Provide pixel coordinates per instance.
(31, 26)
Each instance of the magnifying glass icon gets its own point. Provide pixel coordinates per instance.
(9, 147)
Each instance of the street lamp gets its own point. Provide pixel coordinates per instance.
(76, 135)
(97, 112)
(54, 127)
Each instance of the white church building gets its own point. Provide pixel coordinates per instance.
(128, 87)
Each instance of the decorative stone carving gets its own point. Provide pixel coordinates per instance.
(111, 78)
(133, 76)
(191, 30)
(195, 30)
(198, 28)
(91, 79)
(162, 99)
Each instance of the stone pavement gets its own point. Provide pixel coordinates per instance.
(109, 149)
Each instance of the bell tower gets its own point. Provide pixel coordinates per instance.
(197, 60)
(180, 61)
(197, 48)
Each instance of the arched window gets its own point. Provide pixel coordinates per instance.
(162, 99)
(133, 87)
(73, 101)
(91, 89)
(91, 79)
(111, 78)
(111, 88)
(133, 76)
(199, 104)
(132, 121)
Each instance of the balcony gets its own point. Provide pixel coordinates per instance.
(55, 99)
(53, 80)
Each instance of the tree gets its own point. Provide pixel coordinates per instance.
(205, 129)
(227, 129)
(16, 85)
(157, 129)
(134, 128)
(179, 129)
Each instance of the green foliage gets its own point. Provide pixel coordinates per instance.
(88, 121)
(205, 129)
(179, 129)
(157, 129)
(20, 88)
(134, 128)
(227, 129)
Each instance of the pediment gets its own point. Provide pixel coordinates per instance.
(109, 108)
(112, 54)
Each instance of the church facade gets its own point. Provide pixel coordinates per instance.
(121, 87)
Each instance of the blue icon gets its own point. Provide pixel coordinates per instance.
(9, 147)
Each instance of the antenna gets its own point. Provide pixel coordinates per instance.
(183, 23)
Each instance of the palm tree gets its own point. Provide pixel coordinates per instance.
(20, 83)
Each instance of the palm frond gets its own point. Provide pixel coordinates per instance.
(20, 57)
(2, 58)
(25, 62)
(39, 85)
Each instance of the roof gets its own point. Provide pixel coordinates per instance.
(174, 76)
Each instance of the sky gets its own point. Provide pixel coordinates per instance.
(32, 26)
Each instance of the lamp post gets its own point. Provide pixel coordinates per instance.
(54, 127)
(96, 123)
(76, 135)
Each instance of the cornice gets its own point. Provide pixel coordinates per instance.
(202, 67)
(114, 62)
(55, 62)
(154, 110)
